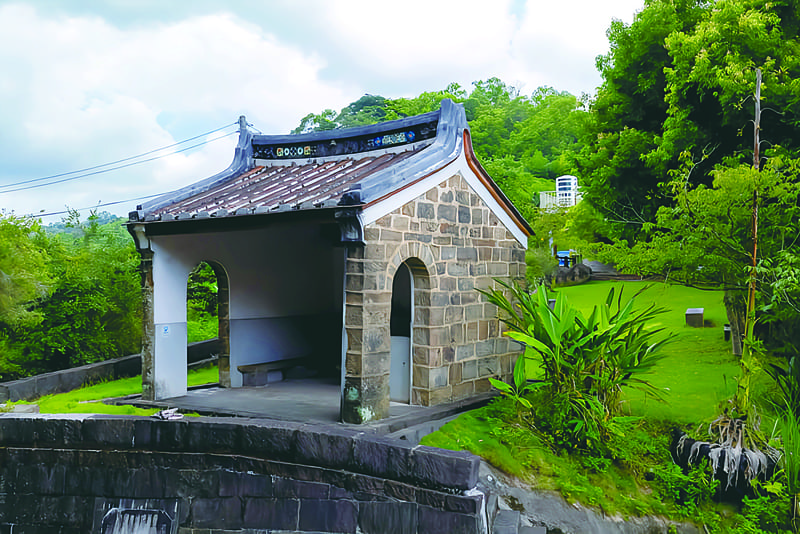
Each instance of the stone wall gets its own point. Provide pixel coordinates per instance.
(58, 473)
(453, 244)
(68, 379)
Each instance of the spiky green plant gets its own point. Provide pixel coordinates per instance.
(585, 361)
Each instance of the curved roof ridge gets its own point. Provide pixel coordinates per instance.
(242, 162)
(413, 146)
(346, 133)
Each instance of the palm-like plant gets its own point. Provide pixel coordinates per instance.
(585, 361)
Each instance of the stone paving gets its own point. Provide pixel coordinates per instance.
(308, 400)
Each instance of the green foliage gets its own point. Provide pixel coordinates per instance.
(584, 361)
(23, 269)
(767, 511)
(89, 399)
(520, 386)
(678, 86)
(202, 304)
(691, 491)
(625, 481)
(91, 309)
(790, 439)
(201, 289)
(201, 326)
(787, 379)
(523, 142)
(698, 370)
(540, 264)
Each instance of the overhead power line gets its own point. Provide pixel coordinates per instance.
(98, 205)
(99, 169)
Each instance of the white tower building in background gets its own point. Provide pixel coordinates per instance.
(565, 195)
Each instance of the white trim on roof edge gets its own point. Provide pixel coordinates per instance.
(458, 166)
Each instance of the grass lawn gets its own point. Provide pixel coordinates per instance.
(88, 399)
(698, 372)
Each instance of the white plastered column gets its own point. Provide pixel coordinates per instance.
(170, 273)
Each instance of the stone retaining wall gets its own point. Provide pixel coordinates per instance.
(68, 379)
(231, 475)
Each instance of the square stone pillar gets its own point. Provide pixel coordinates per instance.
(365, 396)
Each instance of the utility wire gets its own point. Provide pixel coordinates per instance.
(26, 187)
(125, 159)
(99, 205)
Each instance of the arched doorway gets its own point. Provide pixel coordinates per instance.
(401, 331)
(208, 318)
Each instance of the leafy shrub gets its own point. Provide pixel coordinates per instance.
(585, 361)
(689, 490)
(88, 307)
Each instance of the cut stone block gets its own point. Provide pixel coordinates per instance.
(694, 317)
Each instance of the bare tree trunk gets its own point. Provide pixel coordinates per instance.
(736, 308)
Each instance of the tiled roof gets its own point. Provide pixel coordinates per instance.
(281, 187)
(319, 169)
(352, 167)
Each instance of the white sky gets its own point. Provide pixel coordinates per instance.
(85, 82)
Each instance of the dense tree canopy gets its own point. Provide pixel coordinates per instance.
(69, 298)
(524, 142)
(669, 161)
(677, 100)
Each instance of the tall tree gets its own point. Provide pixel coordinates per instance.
(23, 269)
(675, 86)
(628, 114)
(674, 145)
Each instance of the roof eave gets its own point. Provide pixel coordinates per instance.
(494, 189)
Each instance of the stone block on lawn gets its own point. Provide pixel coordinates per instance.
(694, 317)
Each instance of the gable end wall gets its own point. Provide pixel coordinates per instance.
(455, 244)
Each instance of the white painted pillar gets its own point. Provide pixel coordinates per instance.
(170, 274)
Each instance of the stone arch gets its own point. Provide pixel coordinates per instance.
(223, 319)
(419, 260)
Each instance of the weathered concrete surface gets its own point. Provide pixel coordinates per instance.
(548, 509)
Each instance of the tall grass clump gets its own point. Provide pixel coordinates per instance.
(583, 362)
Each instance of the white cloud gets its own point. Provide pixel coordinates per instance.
(420, 39)
(422, 45)
(80, 90)
(86, 92)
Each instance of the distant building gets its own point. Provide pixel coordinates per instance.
(566, 194)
